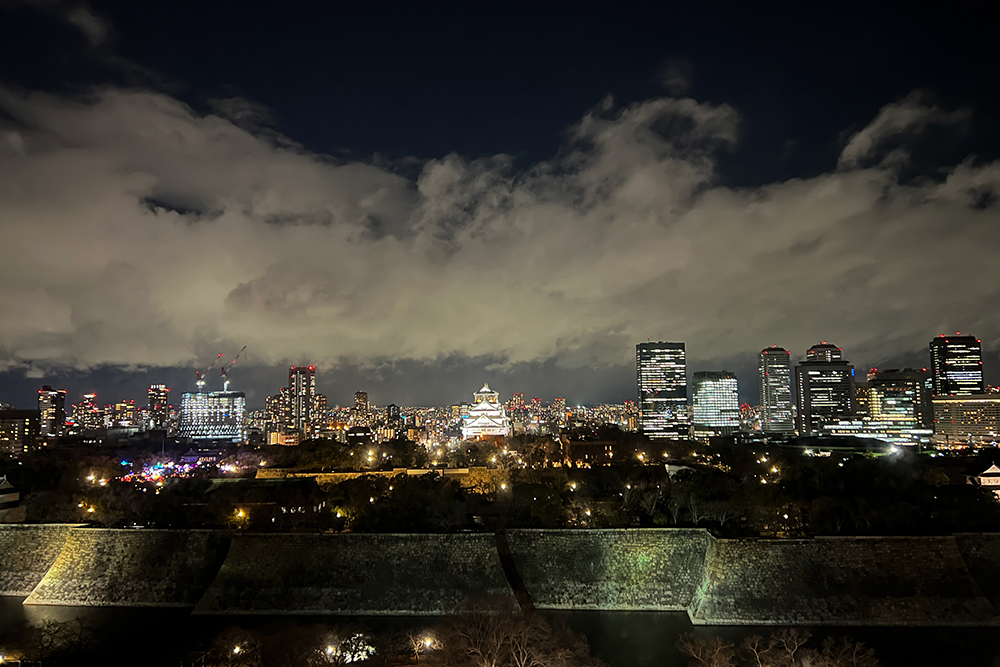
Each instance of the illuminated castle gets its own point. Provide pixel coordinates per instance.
(486, 416)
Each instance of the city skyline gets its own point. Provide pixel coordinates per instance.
(415, 233)
(259, 382)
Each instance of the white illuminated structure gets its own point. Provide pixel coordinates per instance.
(214, 415)
(486, 416)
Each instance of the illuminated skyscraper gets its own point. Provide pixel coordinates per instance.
(361, 409)
(52, 411)
(774, 367)
(661, 376)
(159, 405)
(716, 402)
(301, 397)
(87, 414)
(957, 366)
(902, 397)
(215, 415)
(825, 383)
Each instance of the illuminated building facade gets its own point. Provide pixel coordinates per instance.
(301, 397)
(361, 415)
(716, 401)
(825, 384)
(18, 431)
(774, 368)
(158, 405)
(901, 396)
(214, 415)
(52, 411)
(486, 416)
(661, 376)
(957, 366)
(87, 414)
(967, 419)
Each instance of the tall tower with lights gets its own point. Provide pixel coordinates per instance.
(661, 379)
(957, 365)
(301, 397)
(774, 368)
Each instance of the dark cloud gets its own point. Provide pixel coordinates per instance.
(139, 233)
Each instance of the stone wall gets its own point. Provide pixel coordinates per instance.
(981, 553)
(900, 581)
(26, 554)
(907, 581)
(132, 568)
(612, 569)
(356, 574)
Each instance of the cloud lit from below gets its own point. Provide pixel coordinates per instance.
(140, 233)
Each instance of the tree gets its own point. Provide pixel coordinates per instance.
(494, 634)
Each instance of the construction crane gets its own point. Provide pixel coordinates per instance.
(201, 374)
(224, 371)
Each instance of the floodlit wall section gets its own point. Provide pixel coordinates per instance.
(214, 415)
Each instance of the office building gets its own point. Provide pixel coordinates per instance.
(486, 416)
(301, 397)
(661, 378)
(716, 401)
(825, 386)
(774, 368)
(957, 365)
(158, 406)
(901, 396)
(52, 411)
(967, 419)
(218, 416)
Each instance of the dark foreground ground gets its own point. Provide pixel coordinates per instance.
(166, 637)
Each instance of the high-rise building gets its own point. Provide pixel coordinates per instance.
(486, 416)
(361, 408)
(215, 415)
(661, 376)
(158, 406)
(774, 368)
(301, 397)
(52, 411)
(957, 365)
(825, 384)
(87, 414)
(716, 400)
(901, 396)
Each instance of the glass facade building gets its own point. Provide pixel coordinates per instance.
(661, 376)
(957, 366)
(825, 386)
(716, 403)
(774, 368)
(214, 415)
(52, 411)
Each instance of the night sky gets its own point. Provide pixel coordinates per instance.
(419, 197)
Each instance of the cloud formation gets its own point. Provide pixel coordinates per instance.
(138, 232)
